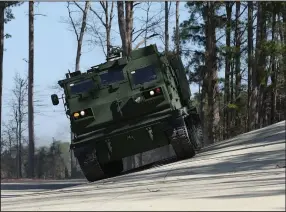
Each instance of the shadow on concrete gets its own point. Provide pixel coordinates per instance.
(9, 196)
(273, 192)
(33, 186)
(238, 163)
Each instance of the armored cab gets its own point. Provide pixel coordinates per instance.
(129, 105)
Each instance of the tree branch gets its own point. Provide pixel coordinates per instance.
(78, 6)
(96, 14)
(72, 22)
(145, 39)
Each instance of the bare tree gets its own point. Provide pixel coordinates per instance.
(9, 168)
(79, 28)
(80, 34)
(130, 34)
(106, 22)
(31, 90)
(19, 111)
(122, 25)
(3, 9)
(15, 128)
(150, 27)
(125, 22)
(147, 21)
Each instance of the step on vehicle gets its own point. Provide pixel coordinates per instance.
(129, 105)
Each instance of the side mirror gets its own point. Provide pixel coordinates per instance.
(55, 99)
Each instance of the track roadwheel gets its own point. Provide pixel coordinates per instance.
(113, 168)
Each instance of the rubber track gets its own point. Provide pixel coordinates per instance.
(92, 168)
(181, 143)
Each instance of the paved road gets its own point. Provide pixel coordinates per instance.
(244, 173)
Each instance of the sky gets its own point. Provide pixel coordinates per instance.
(55, 51)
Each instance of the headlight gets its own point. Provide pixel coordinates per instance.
(152, 93)
(82, 114)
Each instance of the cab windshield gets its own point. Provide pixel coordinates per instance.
(143, 75)
(111, 76)
(81, 87)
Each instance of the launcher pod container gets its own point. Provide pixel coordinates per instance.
(129, 105)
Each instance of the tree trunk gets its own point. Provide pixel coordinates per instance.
(125, 24)
(108, 22)
(203, 108)
(231, 113)
(227, 69)
(212, 69)
(284, 40)
(250, 62)
(255, 86)
(146, 23)
(129, 25)
(166, 27)
(273, 71)
(31, 90)
(237, 67)
(107, 29)
(17, 142)
(122, 26)
(261, 64)
(177, 28)
(2, 16)
(20, 131)
(80, 39)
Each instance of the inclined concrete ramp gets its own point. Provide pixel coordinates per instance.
(244, 173)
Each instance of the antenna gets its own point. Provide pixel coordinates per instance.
(68, 74)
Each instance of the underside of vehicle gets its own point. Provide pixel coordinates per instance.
(101, 156)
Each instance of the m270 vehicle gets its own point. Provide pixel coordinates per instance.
(129, 105)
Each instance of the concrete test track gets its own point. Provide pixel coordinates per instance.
(244, 173)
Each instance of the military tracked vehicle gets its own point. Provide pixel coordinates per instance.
(129, 105)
